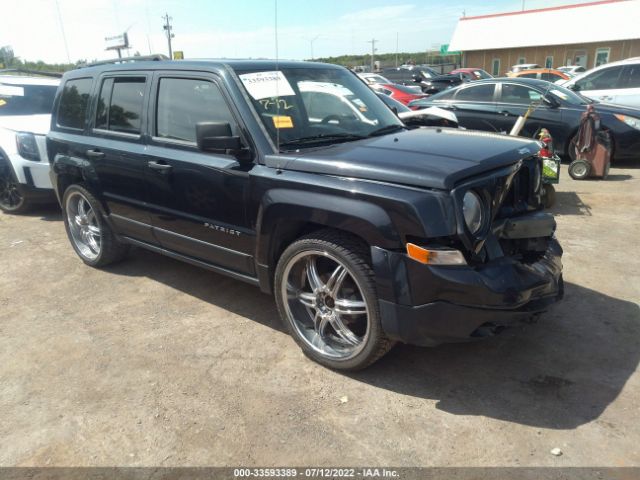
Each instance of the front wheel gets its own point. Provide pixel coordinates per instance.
(325, 292)
(89, 233)
(12, 196)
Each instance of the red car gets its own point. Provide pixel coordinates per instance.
(471, 73)
(400, 93)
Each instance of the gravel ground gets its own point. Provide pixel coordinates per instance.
(157, 363)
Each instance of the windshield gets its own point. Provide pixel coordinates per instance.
(305, 107)
(568, 96)
(16, 99)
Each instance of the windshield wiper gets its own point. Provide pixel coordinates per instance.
(387, 129)
(322, 138)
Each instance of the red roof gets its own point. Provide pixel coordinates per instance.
(536, 10)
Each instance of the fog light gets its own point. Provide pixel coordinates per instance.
(435, 256)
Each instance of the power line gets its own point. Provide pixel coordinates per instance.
(64, 36)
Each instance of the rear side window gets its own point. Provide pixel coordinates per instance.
(184, 102)
(477, 93)
(73, 103)
(604, 79)
(550, 77)
(120, 104)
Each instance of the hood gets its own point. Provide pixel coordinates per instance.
(38, 124)
(426, 157)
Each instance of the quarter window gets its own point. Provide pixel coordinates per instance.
(120, 104)
(184, 102)
(73, 103)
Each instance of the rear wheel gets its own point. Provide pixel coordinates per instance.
(325, 292)
(89, 233)
(12, 196)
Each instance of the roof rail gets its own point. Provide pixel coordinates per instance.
(140, 58)
(32, 72)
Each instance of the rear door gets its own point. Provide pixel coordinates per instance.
(197, 198)
(117, 150)
(475, 106)
(629, 92)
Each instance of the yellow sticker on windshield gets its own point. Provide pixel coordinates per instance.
(282, 121)
(2, 102)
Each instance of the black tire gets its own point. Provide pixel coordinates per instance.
(579, 169)
(353, 256)
(571, 148)
(111, 250)
(549, 197)
(13, 198)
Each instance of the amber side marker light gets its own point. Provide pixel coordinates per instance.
(435, 257)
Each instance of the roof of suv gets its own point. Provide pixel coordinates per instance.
(200, 64)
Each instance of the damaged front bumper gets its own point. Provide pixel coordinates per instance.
(427, 305)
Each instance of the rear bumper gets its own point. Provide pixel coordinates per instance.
(452, 304)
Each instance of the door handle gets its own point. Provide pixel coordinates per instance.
(506, 113)
(160, 167)
(95, 154)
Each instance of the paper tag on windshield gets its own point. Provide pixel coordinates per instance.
(11, 91)
(266, 84)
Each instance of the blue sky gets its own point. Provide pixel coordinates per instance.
(239, 28)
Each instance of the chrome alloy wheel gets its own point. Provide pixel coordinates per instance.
(83, 226)
(324, 303)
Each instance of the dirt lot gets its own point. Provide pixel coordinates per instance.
(154, 362)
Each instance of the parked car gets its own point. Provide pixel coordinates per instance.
(25, 116)
(523, 66)
(494, 105)
(398, 92)
(471, 73)
(427, 117)
(572, 70)
(615, 82)
(548, 74)
(367, 233)
(425, 77)
(373, 78)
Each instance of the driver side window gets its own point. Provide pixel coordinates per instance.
(604, 79)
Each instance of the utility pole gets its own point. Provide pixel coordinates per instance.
(397, 36)
(167, 30)
(311, 42)
(373, 51)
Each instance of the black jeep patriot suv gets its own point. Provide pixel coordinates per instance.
(297, 178)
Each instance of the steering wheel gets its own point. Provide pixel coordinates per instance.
(328, 118)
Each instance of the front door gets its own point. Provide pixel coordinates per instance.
(515, 100)
(197, 198)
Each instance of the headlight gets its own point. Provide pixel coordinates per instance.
(27, 146)
(472, 211)
(633, 122)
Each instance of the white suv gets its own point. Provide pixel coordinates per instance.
(25, 117)
(616, 82)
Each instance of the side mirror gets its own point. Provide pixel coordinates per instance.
(575, 87)
(216, 136)
(550, 102)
